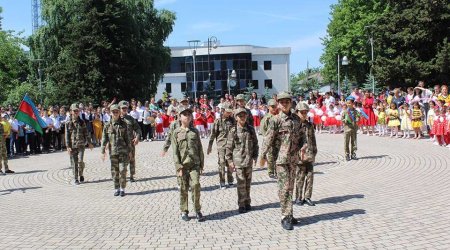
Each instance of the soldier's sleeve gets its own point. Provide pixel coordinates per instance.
(136, 128)
(263, 125)
(176, 151)
(213, 135)
(312, 140)
(202, 156)
(105, 138)
(271, 133)
(68, 137)
(250, 118)
(255, 144)
(168, 140)
(229, 146)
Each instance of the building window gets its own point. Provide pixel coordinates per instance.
(183, 87)
(255, 65)
(267, 65)
(268, 83)
(255, 84)
(169, 87)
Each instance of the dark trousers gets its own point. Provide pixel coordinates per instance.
(8, 144)
(141, 125)
(56, 140)
(30, 142)
(47, 137)
(38, 142)
(147, 131)
(21, 146)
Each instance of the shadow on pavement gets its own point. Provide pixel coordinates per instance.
(154, 191)
(216, 187)
(372, 157)
(31, 172)
(325, 163)
(304, 221)
(226, 214)
(8, 191)
(340, 199)
(155, 178)
(98, 181)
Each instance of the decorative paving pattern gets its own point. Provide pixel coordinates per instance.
(395, 196)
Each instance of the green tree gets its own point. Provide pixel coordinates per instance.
(305, 81)
(412, 42)
(347, 35)
(97, 49)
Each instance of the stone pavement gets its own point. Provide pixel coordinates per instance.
(396, 196)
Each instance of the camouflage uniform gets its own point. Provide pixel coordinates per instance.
(115, 136)
(272, 153)
(305, 171)
(76, 137)
(285, 134)
(350, 118)
(188, 157)
(133, 131)
(220, 133)
(3, 154)
(242, 150)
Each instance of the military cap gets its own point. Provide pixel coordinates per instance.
(240, 97)
(184, 99)
(271, 102)
(284, 95)
(114, 107)
(183, 108)
(74, 106)
(301, 106)
(227, 108)
(240, 110)
(123, 104)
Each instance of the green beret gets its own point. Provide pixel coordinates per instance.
(123, 104)
(227, 108)
(301, 106)
(74, 106)
(183, 108)
(284, 95)
(240, 97)
(271, 102)
(114, 107)
(239, 110)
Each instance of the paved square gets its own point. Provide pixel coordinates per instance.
(396, 196)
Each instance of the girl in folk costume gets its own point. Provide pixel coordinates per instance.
(381, 121)
(405, 117)
(331, 119)
(256, 117)
(394, 119)
(166, 122)
(159, 126)
(417, 120)
(172, 117)
(210, 117)
(367, 106)
(199, 122)
(440, 126)
(432, 113)
(98, 126)
(317, 120)
(358, 107)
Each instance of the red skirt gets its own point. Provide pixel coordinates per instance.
(317, 120)
(159, 128)
(372, 120)
(256, 121)
(440, 128)
(330, 121)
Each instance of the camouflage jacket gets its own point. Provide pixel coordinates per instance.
(242, 146)
(220, 130)
(311, 150)
(115, 136)
(133, 127)
(187, 148)
(76, 133)
(285, 135)
(250, 120)
(265, 123)
(174, 125)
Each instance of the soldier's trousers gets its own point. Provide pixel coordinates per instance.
(305, 179)
(119, 165)
(77, 162)
(133, 161)
(244, 180)
(286, 179)
(350, 138)
(271, 162)
(3, 155)
(190, 177)
(223, 164)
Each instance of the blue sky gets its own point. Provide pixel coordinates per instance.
(298, 24)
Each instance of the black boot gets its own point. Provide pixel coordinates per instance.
(200, 217)
(184, 216)
(81, 178)
(242, 210)
(248, 207)
(117, 192)
(354, 157)
(309, 202)
(347, 157)
(286, 223)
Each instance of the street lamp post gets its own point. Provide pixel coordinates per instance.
(345, 63)
(371, 61)
(212, 44)
(231, 81)
(40, 73)
(338, 75)
(193, 44)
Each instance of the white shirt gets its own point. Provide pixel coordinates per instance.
(158, 120)
(47, 120)
(14, 125)
(135, 114)
(140, 110)
(56, 122)
(255, 112)
(217, 114)
(106, 118)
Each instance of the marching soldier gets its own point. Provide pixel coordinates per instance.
(219, 133)
(3, 152)
(242, 154)
(285, 134)
(189, 162)
(273, 110)
(76, 137)
(115, 137)
(305, 172)
(134, 133)
(240, 103)
(350, 118)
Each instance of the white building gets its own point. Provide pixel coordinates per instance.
(262, 67)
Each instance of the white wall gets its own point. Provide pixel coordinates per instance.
(175, 79)
(279, 72)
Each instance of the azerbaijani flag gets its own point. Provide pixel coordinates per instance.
(29, 114)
